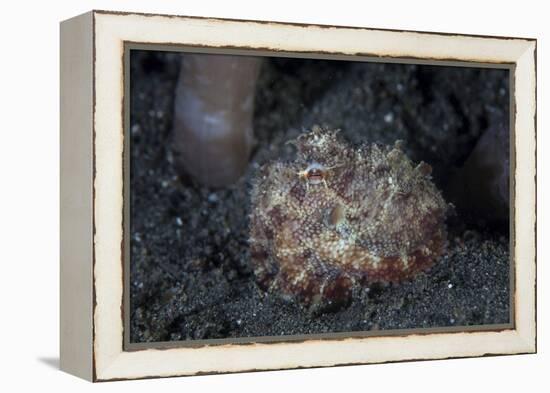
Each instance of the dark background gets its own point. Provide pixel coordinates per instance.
(190, 276)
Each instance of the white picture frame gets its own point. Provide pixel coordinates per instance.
(92, 193)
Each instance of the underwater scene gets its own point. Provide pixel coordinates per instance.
(281, 196)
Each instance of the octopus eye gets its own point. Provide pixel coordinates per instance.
(315, 174)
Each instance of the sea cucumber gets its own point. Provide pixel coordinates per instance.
(338, 218)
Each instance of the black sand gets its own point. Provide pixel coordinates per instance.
(190, 275)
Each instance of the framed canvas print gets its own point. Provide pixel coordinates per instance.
(244, 195)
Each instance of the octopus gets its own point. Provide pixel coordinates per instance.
(338, 218)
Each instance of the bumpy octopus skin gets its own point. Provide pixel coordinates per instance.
(337, 218)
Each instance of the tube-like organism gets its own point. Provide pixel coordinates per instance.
(213, 111)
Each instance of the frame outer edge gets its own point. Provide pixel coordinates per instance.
(76, 192)
(526, 218)
(114, 363)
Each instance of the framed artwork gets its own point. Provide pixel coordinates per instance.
(245, 195)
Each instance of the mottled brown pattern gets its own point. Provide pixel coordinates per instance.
(337, 217)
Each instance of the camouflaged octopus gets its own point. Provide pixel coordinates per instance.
(338, 218)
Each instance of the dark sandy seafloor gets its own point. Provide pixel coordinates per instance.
(190, 274)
